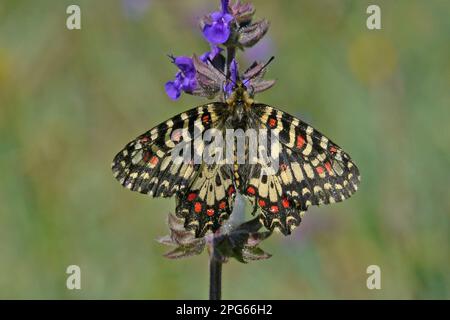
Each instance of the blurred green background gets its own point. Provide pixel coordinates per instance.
(70, 100)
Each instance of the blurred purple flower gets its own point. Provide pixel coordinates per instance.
(217, 30)
(135, 9)
(185, 79)
(260, 52)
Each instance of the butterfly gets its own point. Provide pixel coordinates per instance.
(312, 170)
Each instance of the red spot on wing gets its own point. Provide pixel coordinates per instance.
(191, 196)
(320, 170)
(146, 156)
(251, 190)
(205, 118)
(261, 203)
(274, 209)
(328, 166)
(222, 205)
(285, 203)
(300, 141)
(154, 160)
(210, 212)
(333, 149)
(198, 207)
(231, 190)
(272, 122)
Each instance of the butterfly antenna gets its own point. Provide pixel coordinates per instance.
(171, 57)
(260, 70)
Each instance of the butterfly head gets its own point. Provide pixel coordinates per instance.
(240, 94)
(242, 91)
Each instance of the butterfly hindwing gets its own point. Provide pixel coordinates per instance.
(209, 200)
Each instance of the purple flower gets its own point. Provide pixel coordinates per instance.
(135, 9)
(186, 65)
(234, 77)
(218, 30)
(185, 79)
(197, 76)
(265, 48)
(252, 79)
(215, 50)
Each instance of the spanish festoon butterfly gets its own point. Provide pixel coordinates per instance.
(312, 169)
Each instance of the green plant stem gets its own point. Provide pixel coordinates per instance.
(215, 278)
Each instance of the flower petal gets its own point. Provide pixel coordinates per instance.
(234, 75)
(186, 66)
(217, 33)
(172, 90)
(227, 18)
(225, 6)
(215, 50)
(216, 16)
(234, 71)
(204, 57)
(189, 84)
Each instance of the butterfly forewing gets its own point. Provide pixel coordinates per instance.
(312, 170)
(146, 164)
